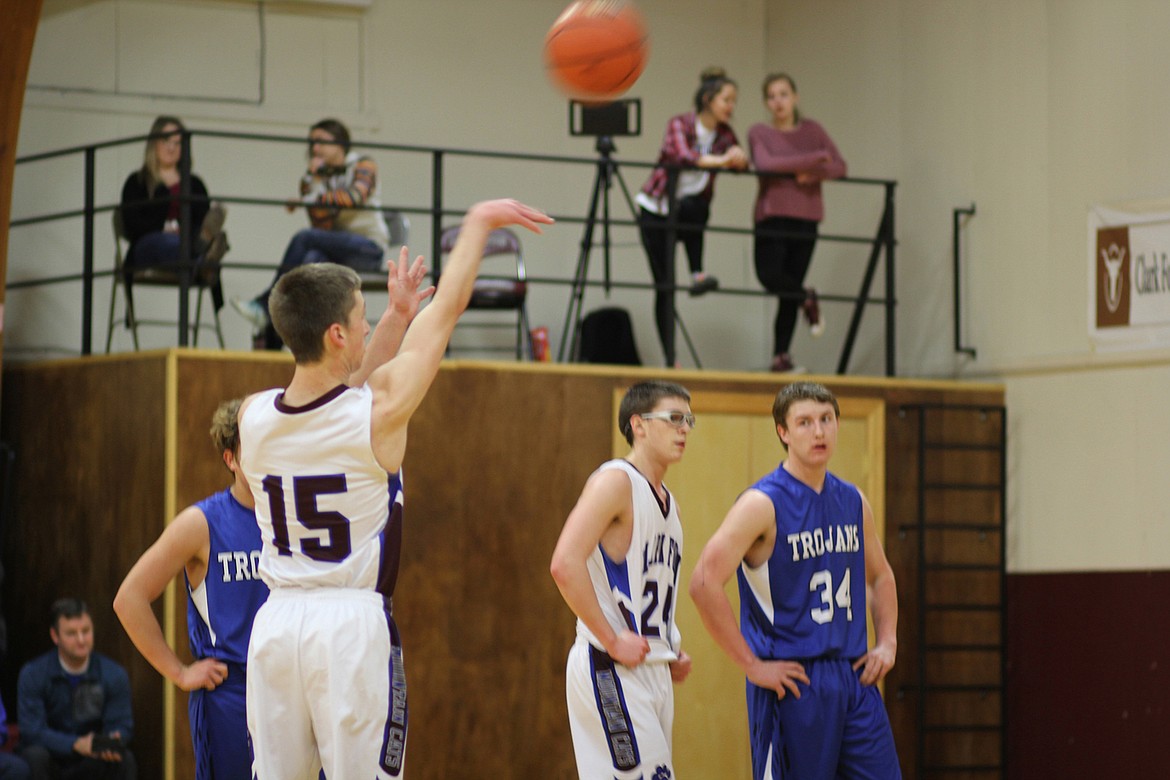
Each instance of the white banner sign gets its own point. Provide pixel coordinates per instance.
(1129, 274)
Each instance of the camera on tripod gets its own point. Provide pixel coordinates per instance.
(602, 122)
(621, 117)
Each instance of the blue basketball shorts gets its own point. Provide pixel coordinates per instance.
(838, 728)
(219, 729)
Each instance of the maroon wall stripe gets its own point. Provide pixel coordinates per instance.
(1089, 675)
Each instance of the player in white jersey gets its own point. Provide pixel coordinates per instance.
(326, 686)
(617, 566)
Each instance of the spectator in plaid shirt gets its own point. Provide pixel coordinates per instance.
(702, 141)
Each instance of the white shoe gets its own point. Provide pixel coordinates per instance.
(252, 311)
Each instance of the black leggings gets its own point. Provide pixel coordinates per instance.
(693, 212)
(781, 265)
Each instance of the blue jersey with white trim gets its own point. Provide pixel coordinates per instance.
(221, 609)
(808, 599)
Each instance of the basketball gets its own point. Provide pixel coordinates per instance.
(596, 49)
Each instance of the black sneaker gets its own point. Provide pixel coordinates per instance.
(702, 283)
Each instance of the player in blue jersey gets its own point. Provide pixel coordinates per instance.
(805, 549)
(216, 544)
(617, 566)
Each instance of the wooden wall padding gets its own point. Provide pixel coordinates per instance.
(496, 457)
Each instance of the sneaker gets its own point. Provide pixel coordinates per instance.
(252, 311)
(702, 283)
(782, 364)
(812, 312)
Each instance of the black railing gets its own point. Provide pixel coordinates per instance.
(956, 254)
(882, 243)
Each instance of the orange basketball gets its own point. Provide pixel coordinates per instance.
(596, 49)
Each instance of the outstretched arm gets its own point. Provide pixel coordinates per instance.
(400, 385)
(605, 502)
(184, 540)
(744, 528)
(402, 285)
(882, 597)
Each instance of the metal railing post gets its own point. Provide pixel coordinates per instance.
(436, 214)
(185, 242)
(891, 298)
(956, 227)
(87, 256)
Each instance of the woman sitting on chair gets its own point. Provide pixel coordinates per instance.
(150, 207)
(339, 190)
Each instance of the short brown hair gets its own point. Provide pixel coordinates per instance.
(307, 301)
(67, 607)
(801, 391)
(642, 398)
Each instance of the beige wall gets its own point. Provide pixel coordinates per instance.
(459, 73)
(1031, 110)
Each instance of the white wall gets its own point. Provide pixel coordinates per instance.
(459, 73)
(1031, 110)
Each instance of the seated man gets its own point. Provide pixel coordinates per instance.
(74, 705)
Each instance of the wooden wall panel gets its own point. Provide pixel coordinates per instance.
(202, 381)
(88, 497)
(497, 455)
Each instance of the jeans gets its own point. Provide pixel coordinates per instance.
(161, 250)
(156, 250)
(13, 767)
(46, 766)
(313, 245)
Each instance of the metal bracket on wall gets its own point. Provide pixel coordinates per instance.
(956, 226)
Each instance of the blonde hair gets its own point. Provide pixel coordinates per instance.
(149, 173)
(225, 426)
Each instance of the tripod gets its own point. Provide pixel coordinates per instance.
(607, 171)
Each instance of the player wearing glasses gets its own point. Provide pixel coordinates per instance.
(617, 564)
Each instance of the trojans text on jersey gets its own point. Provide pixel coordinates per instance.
(815, 543)
(239, 565)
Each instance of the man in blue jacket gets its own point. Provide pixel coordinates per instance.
(74, 705)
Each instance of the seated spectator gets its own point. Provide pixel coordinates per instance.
(340, 192)
(150, 208)
(74, 705)
(12, 767)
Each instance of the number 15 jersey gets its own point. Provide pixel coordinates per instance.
(639, 592)
(330, 516)
(808, 599)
